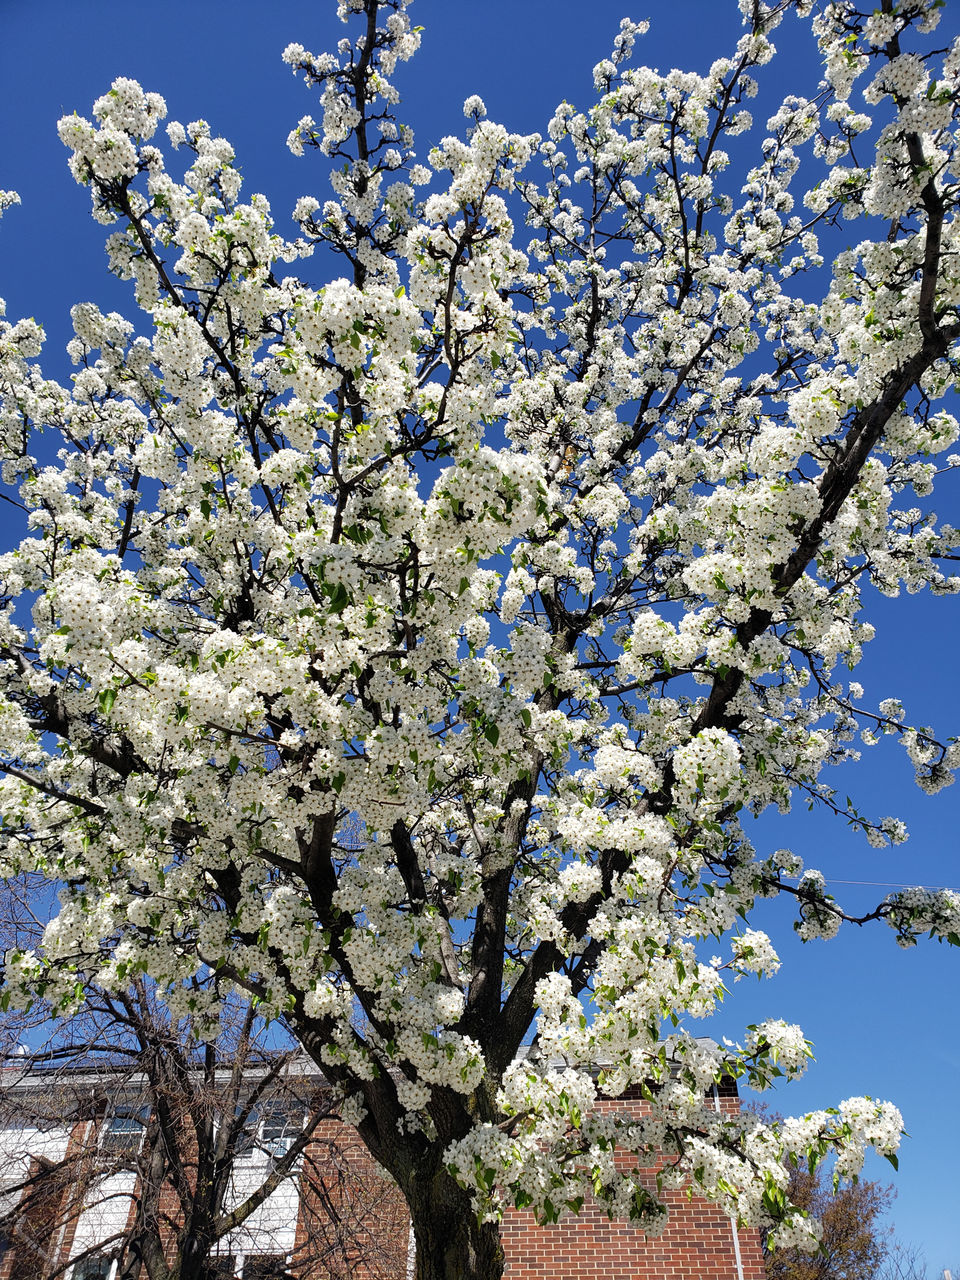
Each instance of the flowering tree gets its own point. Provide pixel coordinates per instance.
(414, 643)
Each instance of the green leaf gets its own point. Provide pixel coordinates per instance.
(492, 734)
(357, 533)
(106, 699)
(339, 596)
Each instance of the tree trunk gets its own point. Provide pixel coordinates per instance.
(450, 1243)
(195, 1262)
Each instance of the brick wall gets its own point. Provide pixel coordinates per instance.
(353, 1222)
(698, 1242)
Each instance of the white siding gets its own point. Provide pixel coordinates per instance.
(107, 1213)
(273, 1227)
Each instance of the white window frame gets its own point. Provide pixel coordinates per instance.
(281, 1117)
(284, 1116)
(119, 1141)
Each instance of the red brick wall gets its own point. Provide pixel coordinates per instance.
(79, 1161)
(697, 1243)
(353, 1220)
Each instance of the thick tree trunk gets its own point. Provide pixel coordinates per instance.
(450, 1243)
(195, 1263)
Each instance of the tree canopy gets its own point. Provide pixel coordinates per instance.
(413, 609)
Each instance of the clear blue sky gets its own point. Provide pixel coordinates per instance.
(884, 1022)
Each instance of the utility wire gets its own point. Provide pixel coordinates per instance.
(890, 884)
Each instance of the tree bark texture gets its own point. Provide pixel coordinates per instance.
(450, 1243)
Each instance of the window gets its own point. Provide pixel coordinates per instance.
(96, 1268)
(271, 1127)
(245, 1139)
(223, 1268)
(280, 1126)
(266, 1266)
(123, 1131)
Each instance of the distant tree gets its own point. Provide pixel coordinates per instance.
(904, 1262)
(855, 1239)
(907, 1262)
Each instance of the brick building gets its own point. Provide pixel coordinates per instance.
(74, 1156)
(699, 1242)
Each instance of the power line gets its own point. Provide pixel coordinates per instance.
(890, 884)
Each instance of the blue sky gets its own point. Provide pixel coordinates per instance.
(883, 1021)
